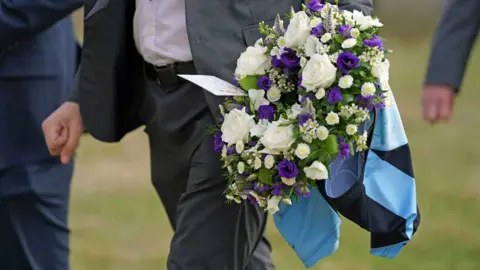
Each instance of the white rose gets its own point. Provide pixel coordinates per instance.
(311, 45)
(322, 133)
(277, 138)
(320, 93)
(349, 43)
(252, 62)
(257, 98)
(332, 118)
(351, 129)
(302, 151)
(269, 161)
(326, 37)
(298, 30)
(236, 126)
(316, 171)
(272, 204)
(368, 89)
(319, 72)
(258, 129)
(274, 94)
(239, 147)
(345, 82)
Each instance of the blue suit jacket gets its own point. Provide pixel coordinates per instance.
(38, 60)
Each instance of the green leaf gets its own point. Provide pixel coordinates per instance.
(347, 98)
(331, 144)
(249, 82)
(338, 38)
(265, 176)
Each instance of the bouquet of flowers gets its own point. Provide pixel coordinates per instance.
(309, 89)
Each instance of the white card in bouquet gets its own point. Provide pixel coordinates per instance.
(214, 85)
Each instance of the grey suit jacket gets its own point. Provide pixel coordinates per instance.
(109, 83)
(454, 40)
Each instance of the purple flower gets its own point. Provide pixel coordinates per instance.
(252, 200)
(217, 142)
(276, 62)
(365, 102)
(235, 82)
(347, 61)
(266, 112)
(289, 58)
(230, 151)
(335, 95)
(278, 189)
(314, 5)
(260, 187)
(264, 83)
(303, 192)
(380, 105)
(317, 30)
(253, 143)
(304, 98)
(344, 148)
(344, 30)
(287, 169)
(374, 42)
(299, 83)
(303, 118)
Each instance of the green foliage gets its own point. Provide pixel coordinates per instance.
(265, 176)
(249, 82)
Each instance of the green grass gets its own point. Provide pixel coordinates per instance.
(118, 222)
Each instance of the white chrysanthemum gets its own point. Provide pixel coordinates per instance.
(274, 94)
(326, 38)
(368, 89)
(269, 161)
(322, 133)
(351, 129)
(349, 43)
(355, 33)
(332, 118)
(345, 82)
(241, 167)
(281, 42)
(302, 151)
(320, 93)
(257, 164)
(315, 21)
(239, 147)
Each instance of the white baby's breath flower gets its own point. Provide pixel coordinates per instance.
(272, 204)
(355, 33)
(274, 94)
(349, 43)
(351, 129)
(322, 133)
(320, 93)
(302, 151)
(316, 171)
(257, 164)
(241, 167)
(345, 82)
(368, 89)
(269, 161)
(332, 118)
(326, 38)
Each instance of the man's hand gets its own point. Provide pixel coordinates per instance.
(438, 102)
(62, 130)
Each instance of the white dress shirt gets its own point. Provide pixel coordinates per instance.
(160, 31)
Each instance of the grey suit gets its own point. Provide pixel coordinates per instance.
(454, 40)
(116, 96)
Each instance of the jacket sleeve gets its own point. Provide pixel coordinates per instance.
(20, 19)
(453, 42)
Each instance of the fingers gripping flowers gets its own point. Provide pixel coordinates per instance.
(310, 87)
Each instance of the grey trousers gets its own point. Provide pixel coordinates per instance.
(209, 234)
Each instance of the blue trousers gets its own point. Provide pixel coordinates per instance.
(34, 231)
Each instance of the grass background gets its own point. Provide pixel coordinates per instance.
(118, 222)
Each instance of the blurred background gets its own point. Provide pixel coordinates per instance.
(118, 222)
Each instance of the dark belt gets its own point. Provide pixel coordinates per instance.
(167, 75)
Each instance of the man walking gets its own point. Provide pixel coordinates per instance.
(38, 59)
(454, 40)
(133, 52)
